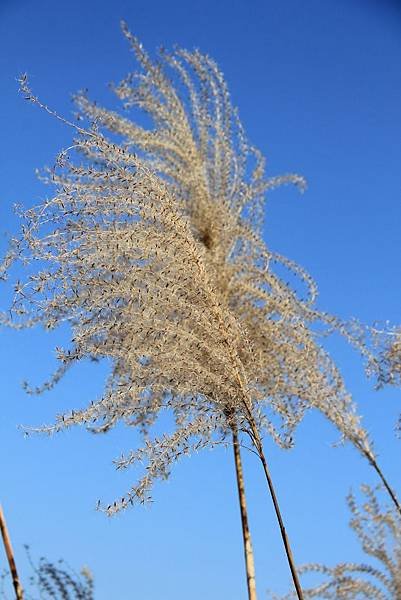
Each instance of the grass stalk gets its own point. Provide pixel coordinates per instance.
(290, 559)
(10, 556)
(246, 536)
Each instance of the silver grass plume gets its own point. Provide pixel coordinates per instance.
(166, 274)
(155, 257)
(60, 581)
(198, 146)
(52, 580)
(379, 532)
(388, 341)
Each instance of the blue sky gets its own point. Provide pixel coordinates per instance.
(318, 86)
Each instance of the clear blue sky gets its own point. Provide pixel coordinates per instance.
(318, 85)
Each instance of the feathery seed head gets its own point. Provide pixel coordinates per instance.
(151, 250)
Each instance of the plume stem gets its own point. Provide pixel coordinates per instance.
(386, 484)
(10, 556)
(259, 447)
(246, 535)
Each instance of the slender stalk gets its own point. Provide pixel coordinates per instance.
(259, 447)
(257, 442)
(10, 556)
(386, 484)
(246, 536)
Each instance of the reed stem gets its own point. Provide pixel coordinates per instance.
(246, 536)
(10, 556)
(259, 448)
